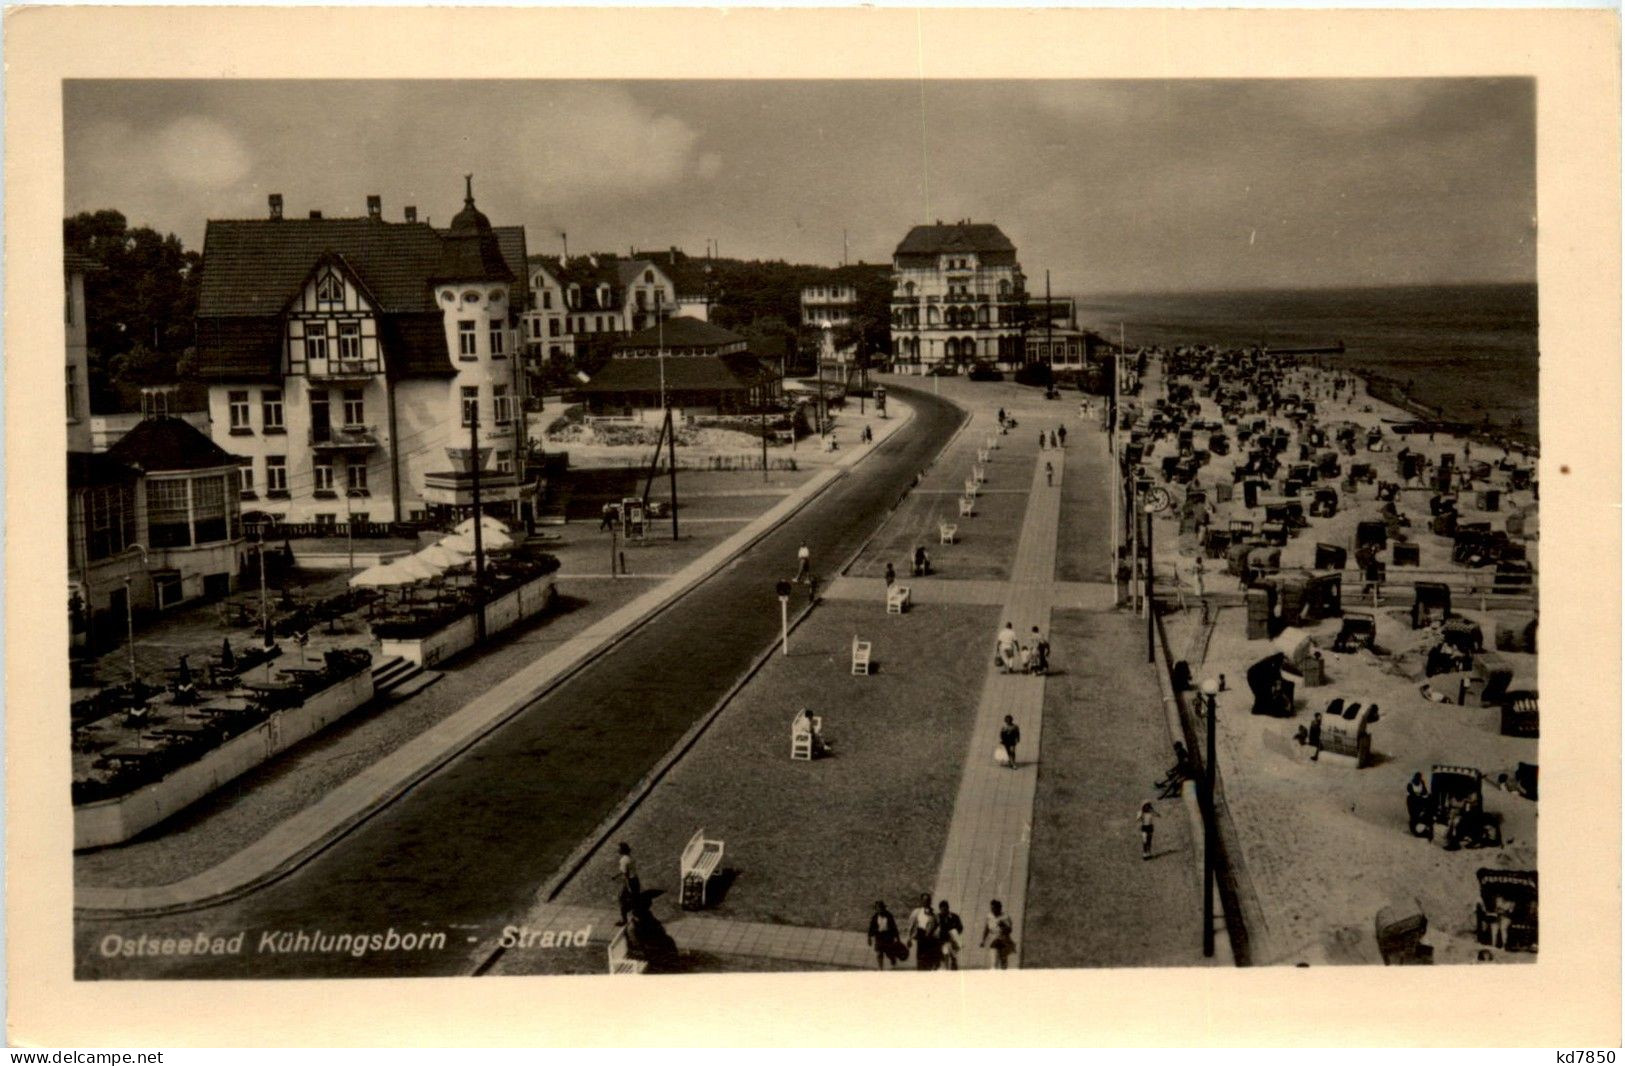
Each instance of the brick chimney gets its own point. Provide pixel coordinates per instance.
(411, 213)
(375, 208)
(276, 205)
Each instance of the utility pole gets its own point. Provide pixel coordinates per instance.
(265, 596)
(1210, 691)
(671, 452)
(479, 531)
(1150, 589)
(129, 625)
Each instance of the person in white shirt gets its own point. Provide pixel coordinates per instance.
(627, 874)
(1007, 647)
(922, 929)
(804, 557)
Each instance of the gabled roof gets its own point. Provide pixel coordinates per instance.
(727, 373)
(958, 237)
(159, 445)
(681, 332)
(690, 276)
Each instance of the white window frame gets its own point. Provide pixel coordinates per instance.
(322, 474)
(271, 408)
(350, 341)
(355, 407)
(468, 339)
(498, 349)
(316, 339)
(502, 404)
(238, 415)
(276, 473)
(470, 403)
(355, 476)
(245, 479)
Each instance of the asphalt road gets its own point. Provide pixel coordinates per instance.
(465, 850)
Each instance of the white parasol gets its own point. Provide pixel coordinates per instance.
(487, 523)
(490, 540)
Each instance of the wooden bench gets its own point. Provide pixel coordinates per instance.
(860, 657)
(801, 741)
(619, 961)
(696, 868)
(947, 532)
(967, 506)
(898, 598)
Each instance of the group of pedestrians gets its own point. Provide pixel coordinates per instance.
(1055, 438)
(1014, 657)
(936, 937)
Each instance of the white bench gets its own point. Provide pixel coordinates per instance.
(970, 486)
(967, 506)
(898, 598)
(619, 961)
(801, 741)
(860, 656)
(696, 868)
(981, 455)
(947, 532)
(979, 474)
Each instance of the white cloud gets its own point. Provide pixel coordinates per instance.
(597, 141)
(201, 152)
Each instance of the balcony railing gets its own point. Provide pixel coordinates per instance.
(340, 369)
(338, 438)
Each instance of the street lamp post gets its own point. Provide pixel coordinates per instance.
(129, 611)
(1210, 696)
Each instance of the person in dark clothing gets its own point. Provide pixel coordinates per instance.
(891, 576)
(883, 935)
(609, 518)
(1041, 439)
(922, 930)
(1314, 737)
(950, 936)
(1062, 433)
(1009, 737)
(1177, 774)
(626, 872)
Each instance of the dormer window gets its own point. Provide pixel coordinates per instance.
(330, 290)
(575, 296)
(603, 296)
(648, 277)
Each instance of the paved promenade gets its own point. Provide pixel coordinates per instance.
(988, 840)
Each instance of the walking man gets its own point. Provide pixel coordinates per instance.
(1054, 441)
(891, 577)
(1040, 653)
(1147, 827)
(950, 935)
(1314, 737)
(1009, 737)
(883, 935)
(1049, 473)
(997, 935)
(631, 888)
(1062, 433)
(1041, 440)
(922, 930)
(804, 559)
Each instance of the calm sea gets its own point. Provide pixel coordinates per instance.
(1470, 350)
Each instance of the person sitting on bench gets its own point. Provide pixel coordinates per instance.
(808, 725)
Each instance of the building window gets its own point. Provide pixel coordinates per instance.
(111, 520)
(271, 409)
(467, 340)
(503, 404)
(598, 323)
(355, 478)
(210, 511)
(360, 518)
(330, 290)
(355, 409)
(327, 520)
(315, 340)
(321, 419)
(471, 404)
(504, 462)
(276, 476)
(245, 481)
(324, 476)
(547, 299)
(237, 410)
(535, 327)
(497, 330)
(552, 327)
(169, 522)
(350, 341)
(73, 394)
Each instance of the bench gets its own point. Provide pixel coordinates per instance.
(978, 474)
(967, 506)
(970, 486)
(897, 599)
(619, 960)
(860, 657)
(981, 455)
(947, 532)
(801, 741)
(696, 868)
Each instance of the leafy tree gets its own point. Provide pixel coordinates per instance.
(145, 294)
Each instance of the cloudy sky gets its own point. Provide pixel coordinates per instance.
(1115, 186)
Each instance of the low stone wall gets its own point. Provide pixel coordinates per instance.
(112, 821)
(509, 610)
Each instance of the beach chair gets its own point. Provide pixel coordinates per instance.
(981, 455)
(970, 486)
(979, 474)
(947, 532)
(860, 657)
(801, 741)
(967, 507)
